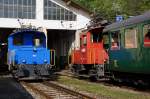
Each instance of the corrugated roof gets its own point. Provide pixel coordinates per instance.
(130, 21)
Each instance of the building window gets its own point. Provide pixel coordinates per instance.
(18, 9)
(131, 38)
(146, 34)
(53, 11)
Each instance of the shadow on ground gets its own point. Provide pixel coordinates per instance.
(11, 89)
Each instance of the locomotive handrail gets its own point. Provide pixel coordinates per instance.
(73, 57)
(52, 57)
(13, 59)
(102, 52)
(94, 56)
(69, 59)
(90, 55)
(8, 60)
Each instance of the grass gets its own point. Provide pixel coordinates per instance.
(102, 90)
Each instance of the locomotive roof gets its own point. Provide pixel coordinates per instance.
(92, 29)
(26, 31)
(133, 20)
(96, 27)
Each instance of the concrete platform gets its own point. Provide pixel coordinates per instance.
(10, 89)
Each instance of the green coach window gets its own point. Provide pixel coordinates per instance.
(131, 38)
(146, 34)
(115, 40)
(106, 41)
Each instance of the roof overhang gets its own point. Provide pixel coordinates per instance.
(78, 6)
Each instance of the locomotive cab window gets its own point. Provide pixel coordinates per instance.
(115, 40)
(146, 34)
(37, 41)
(80, 42)
(95, 37)
(84, 40)
(131, 38)
(18, 40)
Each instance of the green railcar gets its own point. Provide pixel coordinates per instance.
(129, 47)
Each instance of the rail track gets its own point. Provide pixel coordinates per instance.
(51, 90)
(107, 82)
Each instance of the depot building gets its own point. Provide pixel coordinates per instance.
(61, 18)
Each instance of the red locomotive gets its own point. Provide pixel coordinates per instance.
(89, 60)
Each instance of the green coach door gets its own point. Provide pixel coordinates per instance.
(124, 50)
(114, 50)
(145, 48)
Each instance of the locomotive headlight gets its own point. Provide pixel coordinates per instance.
(45, 61)
(83, 50)
(23, 61)
(34, 49)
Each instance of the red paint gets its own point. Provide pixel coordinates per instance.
(147, 42)
(91, 53)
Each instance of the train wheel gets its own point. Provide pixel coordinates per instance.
(93, 78)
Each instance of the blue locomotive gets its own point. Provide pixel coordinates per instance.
(28, 57)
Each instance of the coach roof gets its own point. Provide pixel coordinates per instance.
(133, 20)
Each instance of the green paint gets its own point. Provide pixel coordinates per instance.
(134, 60)
(115, 63)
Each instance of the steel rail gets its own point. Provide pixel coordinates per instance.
(32, 87)
(66, 90)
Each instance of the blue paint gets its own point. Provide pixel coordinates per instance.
(119, 18)
(27, 52)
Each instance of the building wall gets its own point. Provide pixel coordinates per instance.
(82, 19)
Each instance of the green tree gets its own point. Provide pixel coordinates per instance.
(108, 9)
